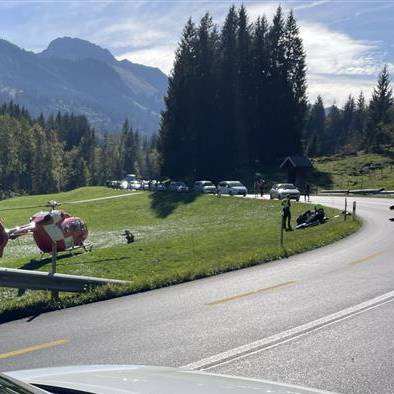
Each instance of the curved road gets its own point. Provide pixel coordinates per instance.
(322, 319)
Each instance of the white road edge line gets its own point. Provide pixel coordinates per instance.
(288, 335)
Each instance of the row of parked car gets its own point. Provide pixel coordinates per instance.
(232, 188)
(224, 187)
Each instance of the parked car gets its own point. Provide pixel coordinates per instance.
(157, 186)
(131, 177)
(124, 185)
(178, 186)
(145, 185)
(135, 185)
(204, 187)
(232, 188)
(280, 190)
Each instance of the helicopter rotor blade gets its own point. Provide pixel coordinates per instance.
(100, 199)
(21, 208)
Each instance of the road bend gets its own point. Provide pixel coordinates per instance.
(322, 319)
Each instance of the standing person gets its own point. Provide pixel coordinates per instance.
(307, 192)
(261, 187)
(286, 213)
(256, 187)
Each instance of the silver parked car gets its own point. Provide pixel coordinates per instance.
(232, 188)
(281, 190)
(204, 187)
(157, 186)
(178, 186)
(135, 379)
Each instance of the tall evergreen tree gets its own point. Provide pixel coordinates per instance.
(379, 110)
(360, 122)
(296, 80)
(315, 128)
(177, 139)
(205, 98)
(260, 54)
(244, 98)
(227, 91)
(278, 87)
(348, 122)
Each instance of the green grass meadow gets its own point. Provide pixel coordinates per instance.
(357, 171)
(179, 237)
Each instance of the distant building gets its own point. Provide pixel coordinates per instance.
(298, 168)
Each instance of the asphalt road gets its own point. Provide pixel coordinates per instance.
(322, 319)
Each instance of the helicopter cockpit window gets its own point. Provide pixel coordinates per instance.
(76, 226)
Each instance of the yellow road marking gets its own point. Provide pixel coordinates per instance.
(264, 290)
(33, 348)
(362, 260)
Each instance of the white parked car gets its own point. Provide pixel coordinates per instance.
(135, 185)
(135, 379)
(232, 188)
(178, 186)
(145, 185)
(204, 187)
(281, 190)
(124, 185)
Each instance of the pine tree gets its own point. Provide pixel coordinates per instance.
(260, 53)
(243, 102)
(205, 112)
(315, 128)
(278, 88)
(177, 139)
(296, 80)
(334, 127)
(348, 120)
(360, 122)
(379, 110)
(227, 91)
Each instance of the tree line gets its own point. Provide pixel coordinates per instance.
(236, 96)
(63, 152)
(357, 126)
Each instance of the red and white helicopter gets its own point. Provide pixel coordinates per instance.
(53, 231)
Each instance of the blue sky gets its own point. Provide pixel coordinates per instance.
(347, 42)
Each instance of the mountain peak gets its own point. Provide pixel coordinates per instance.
(75, 49)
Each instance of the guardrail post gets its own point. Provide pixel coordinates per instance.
(345, 209)
(281, 229)
(54, 293)
(354, 209)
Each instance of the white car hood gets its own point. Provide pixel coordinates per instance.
(289, 191)
(238, 187)
(116, 379)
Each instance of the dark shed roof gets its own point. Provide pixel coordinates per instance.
(297, 162)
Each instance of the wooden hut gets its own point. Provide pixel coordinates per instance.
(297, 169)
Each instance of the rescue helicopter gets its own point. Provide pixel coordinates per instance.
(53, 231)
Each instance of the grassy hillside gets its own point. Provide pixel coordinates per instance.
(360, 170)
(179, 237)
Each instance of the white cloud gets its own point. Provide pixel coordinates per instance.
(336, 88)
(333, 52)
(133, 33)
(159, 56)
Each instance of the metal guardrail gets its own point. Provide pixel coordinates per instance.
(353, 191)
(35, 280)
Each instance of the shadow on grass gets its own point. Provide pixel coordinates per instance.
(37, 264)
(322, 179)
(387, 153)
(164, 203)
(103, 260)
